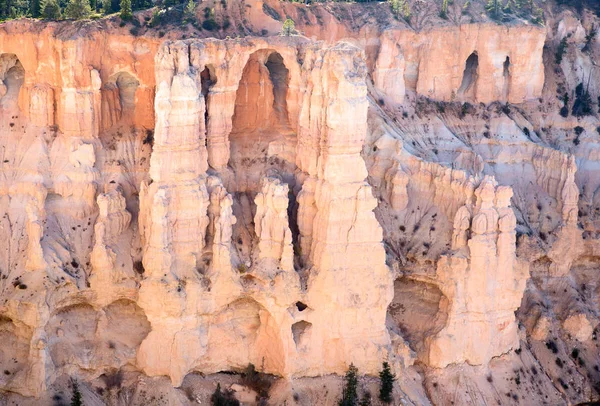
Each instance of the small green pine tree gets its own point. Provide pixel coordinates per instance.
(51, 10)
(78, 9)
(35, 8)
(444, 12)
(76, 397)
(400, 8)
(493, 7)
(349, 393)
(387, 383)
(289, 28)
(107, 6)
(189, 14)
(126, 13)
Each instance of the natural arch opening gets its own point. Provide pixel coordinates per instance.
(468, 87)
(71, 335)
(262, 141)
(418, 310)
(506, 77)
(208, 79)
(244, 332)
(279, 76)
(118, 99)
(261, 98)
(301, 333)
(127, 327)
(12, 75)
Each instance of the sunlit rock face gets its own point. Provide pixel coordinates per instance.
(211, 193)
(199, 205)
(478, 63)
(283, 143)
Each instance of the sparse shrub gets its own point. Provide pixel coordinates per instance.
(349, 392)
(289, 28)
(551, 345)
(444, 10)
(76, 396)
(210, 24)
(387, 379)
(560, 51)
(400, 9)
(149, 139)
(189, 14)
(589, 38)
(155, 20)
(113, 380)
(225, 398)
(493, 9)
(465, 109)
(563, 384)
(366, 399)
(583, 102)
(256, 381)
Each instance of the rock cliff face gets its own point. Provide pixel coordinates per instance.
(476, 63)
(192, 206)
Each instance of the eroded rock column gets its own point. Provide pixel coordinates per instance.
(484, 283)
(339, 235)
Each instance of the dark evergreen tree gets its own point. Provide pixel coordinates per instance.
(51, 10)
(226, 398)
(349, 393)
(387, 379)
(76, 397)
(35, 8)
(189, 13)
(78, 9)
(126, 13)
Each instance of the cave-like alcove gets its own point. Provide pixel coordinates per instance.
(506, 79)
(118, 99)
(468, 87)
(12, 75)
(208, 79)
(262, 141)
(418, 310)
(247, 330)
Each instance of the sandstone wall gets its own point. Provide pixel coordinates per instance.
(199, 205)
(434, 63)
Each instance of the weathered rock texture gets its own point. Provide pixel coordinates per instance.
(198, 205)
(476, 63)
